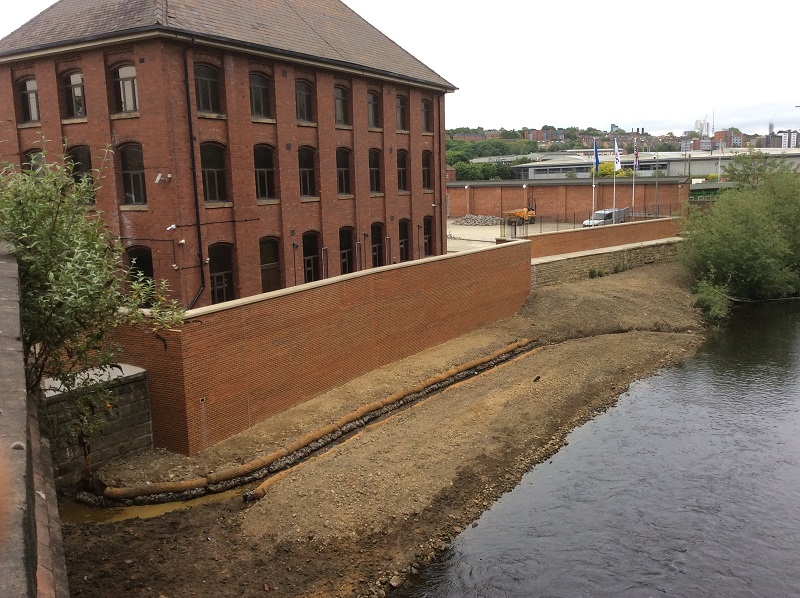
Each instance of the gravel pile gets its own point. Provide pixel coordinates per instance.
(473, 220)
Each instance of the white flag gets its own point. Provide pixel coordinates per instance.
(617, 162)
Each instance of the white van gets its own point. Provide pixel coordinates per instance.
(611, 216)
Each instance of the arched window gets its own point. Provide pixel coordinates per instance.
(220, 265)
(212, 164)
(74, 96)
(126, 95)
(347, 262)
(427, 170)
(401, 106)
(375, 171)
(139, 259)
(343, 171)
(80, 162)
(404, 239)
(264, 164)
(32, 160)
(374, 110)
(269, 250)
(311, 256)
(341, 105)
(29, 100)
(427, 234)
(131, 160)
(260, 104)
(376, 234)
(206, 85)
(402, 170)
(307, 161)
(304, 98)
(426, 112)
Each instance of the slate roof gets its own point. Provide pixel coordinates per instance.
(325, 30)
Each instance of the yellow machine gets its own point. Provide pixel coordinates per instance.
(522, 215)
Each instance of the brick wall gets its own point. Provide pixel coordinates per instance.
(235, 364)
(127, 431)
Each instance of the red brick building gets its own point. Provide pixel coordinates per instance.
(256, 145)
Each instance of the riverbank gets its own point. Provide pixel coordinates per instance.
(367, 514)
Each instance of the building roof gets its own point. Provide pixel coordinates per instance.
(320, 30)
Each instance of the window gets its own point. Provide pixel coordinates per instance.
(346, 253)
(374, 110)
(206, 85)
(126, 95)
(308, 175)
(427, 116)
(33, 159)
(343, 176)
(304, 98)
(270, 265)
(80, 161)
(376, 232)
(402, 170)
(427, 234)
(404, 238)
(139, 260)
(29, 100)
(310, 256)
(260, 105)
(220, 265)
(402, 113)
(132, 162)
(341, 105)
(75, 97)
(212, 164)
(375, 171)
(427, 171)
(263, 162)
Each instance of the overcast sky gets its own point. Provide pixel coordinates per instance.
(660, 66)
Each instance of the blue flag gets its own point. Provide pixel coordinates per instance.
(596, 158)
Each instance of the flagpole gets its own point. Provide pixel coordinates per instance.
(594, 172)
(635, 167)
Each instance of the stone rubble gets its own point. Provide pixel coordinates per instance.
(478, 220)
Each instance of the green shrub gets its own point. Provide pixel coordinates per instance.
(713, 300)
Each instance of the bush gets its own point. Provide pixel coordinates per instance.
(713, 300)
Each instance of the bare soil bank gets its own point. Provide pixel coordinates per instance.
(362, 517)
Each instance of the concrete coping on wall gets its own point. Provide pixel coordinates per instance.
(201, 311)
(614, 249)
(53, 391)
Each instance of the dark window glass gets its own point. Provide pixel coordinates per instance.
(206, 84)
(376, 233)
(270, 265)
(80, 162)
(346, 252)
(308, 184)
(341, 103)
(212, 164)
(402, 113)
(220, 265)
(263, 159)
(402, 170)
(427, 172)
(126, 95)
(343, 171)
(260, 105)
(427, 114)
(29, 100)
(33, 160)
(304, 100)
(404, 240)
(375, 171)
(427, 233)
(75, 96)
(140, 259)
(133, 185)
(374, 110)
(311, 257)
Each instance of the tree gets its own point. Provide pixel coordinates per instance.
(74, 287)
(606, 170)
(748, 169)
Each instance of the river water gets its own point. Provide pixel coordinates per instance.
(690, 486)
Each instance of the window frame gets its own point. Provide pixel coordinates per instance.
(29, 100)
(126, 91)
(307, 170)
(222, 281)
(74, 95)
(263, 95)
(427, 236)
(427, 170)
(404, 240)
(374, 110)
(341, 105)
(208, 88)
(312, 262)
(304, 100)
(375, 171)
(426, 113)
(402, 171)
(344, 171)
(271, 275)
(266, 187)
(347, 252)
(376, 243)
(213, 174)
(401, 112)
(133, 179)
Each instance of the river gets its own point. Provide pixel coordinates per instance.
(690, 486)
